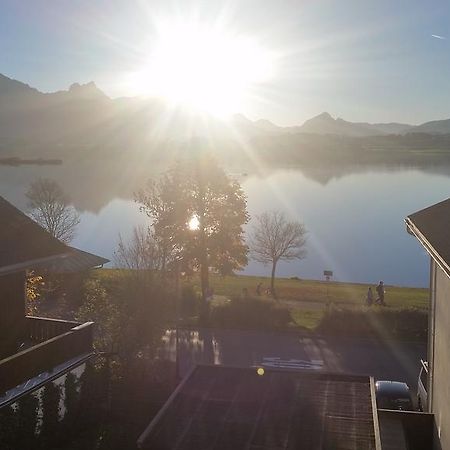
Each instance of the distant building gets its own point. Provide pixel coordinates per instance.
(431, 226)
(35, 350)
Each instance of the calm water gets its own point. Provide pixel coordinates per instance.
(354, 216)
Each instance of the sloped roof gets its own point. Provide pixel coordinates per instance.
(26, 245)
(233, 408)
(432, 227)
(75, 260)
(22, 239)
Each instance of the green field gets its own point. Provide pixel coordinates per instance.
(308, 299)
(304, 291)
(320, 292)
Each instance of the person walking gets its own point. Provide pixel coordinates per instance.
(258, 288)
(380, 292)
(369, 299)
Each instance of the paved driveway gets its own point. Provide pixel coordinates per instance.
(391, 360)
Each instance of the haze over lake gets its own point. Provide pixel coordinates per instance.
(354, 214)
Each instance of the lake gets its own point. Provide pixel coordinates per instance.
(354, 215)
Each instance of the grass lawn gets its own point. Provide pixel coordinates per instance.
(305, 318)
(310, 291)
(307, 299)
(313, 291)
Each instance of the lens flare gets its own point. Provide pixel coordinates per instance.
(204, 68)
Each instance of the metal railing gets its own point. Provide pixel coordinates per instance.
(58, 341)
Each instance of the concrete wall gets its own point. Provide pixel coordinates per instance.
(440, 369)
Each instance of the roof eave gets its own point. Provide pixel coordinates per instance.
(48, 261)
(33, 263)
(376, 424)
(412, 229)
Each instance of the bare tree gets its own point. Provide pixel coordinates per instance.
(141, 252)
(50, 207)
(275, 238)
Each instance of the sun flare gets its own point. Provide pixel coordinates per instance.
(194, 223)
(203, 68)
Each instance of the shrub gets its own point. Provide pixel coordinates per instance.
(130, 311)
(50, 427)
(255, 313)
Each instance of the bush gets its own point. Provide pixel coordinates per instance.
(130, 310)
(379, 323)
(254, 313)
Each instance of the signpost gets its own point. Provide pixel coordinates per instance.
(328, 274)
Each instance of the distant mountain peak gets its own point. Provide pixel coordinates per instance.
(324, 116)
(325, 124)
(86, 90)
(77, 86)
(264, 122)
(238, 117)
(267, 125)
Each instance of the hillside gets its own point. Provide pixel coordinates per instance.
(434, 127)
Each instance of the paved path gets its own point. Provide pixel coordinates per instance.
(390, 361)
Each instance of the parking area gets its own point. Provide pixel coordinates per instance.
(388, 360)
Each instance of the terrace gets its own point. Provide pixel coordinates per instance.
(48, 348)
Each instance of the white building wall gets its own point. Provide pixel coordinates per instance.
(440, 369)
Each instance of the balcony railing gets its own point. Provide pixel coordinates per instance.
(42, 329)
(55, 342)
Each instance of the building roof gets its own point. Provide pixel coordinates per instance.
(234, 408)
(25, 245)
(75, 260)
(431, 226)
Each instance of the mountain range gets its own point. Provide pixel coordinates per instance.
(325, 124)
(84, 114)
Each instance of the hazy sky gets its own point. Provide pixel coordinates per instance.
(377, 60)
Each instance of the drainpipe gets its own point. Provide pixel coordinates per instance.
(431, 333)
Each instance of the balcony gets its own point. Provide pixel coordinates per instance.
(48, 346)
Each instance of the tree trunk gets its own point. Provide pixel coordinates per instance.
(272, 280)
(163, 267)
(204, 279)
(203, 257)
(204, 274)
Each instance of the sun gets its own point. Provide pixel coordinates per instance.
(203, 68)
(194, 223)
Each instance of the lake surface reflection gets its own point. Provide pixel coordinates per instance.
(354, 214)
